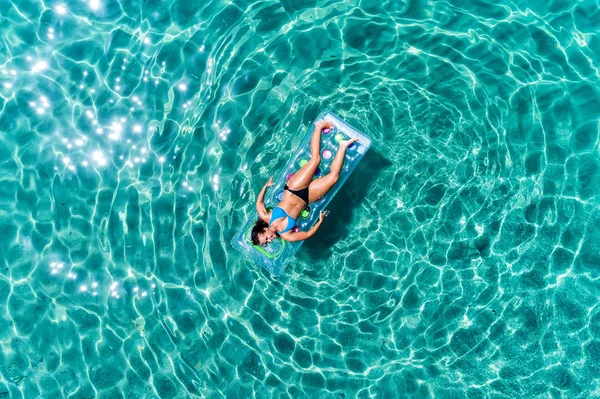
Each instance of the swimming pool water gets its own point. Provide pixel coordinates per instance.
(460, 260)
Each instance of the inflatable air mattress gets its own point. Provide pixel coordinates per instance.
(276, 255)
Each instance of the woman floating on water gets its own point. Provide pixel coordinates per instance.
(299, 191)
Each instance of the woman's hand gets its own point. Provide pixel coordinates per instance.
(269, 183)
(323, 125)
(323, 215)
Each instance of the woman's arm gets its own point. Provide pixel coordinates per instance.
(260, 205)
(303, 235)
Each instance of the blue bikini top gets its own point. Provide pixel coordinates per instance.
(279, 213)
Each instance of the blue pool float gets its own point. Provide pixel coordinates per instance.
(276, 255)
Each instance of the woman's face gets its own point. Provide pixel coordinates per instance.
(266, 236)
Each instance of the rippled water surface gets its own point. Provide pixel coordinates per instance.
(461, 259)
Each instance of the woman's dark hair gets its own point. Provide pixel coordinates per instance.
(259, 227)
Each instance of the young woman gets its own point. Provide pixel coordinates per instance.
(299, 191)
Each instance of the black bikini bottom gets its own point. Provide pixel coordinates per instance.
(302, 194)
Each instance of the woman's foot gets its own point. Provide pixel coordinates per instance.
(323, 125)
(347, 143)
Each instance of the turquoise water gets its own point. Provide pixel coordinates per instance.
(461, 259)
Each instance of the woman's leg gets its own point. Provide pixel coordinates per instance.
(320, 187)
(303, 177)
